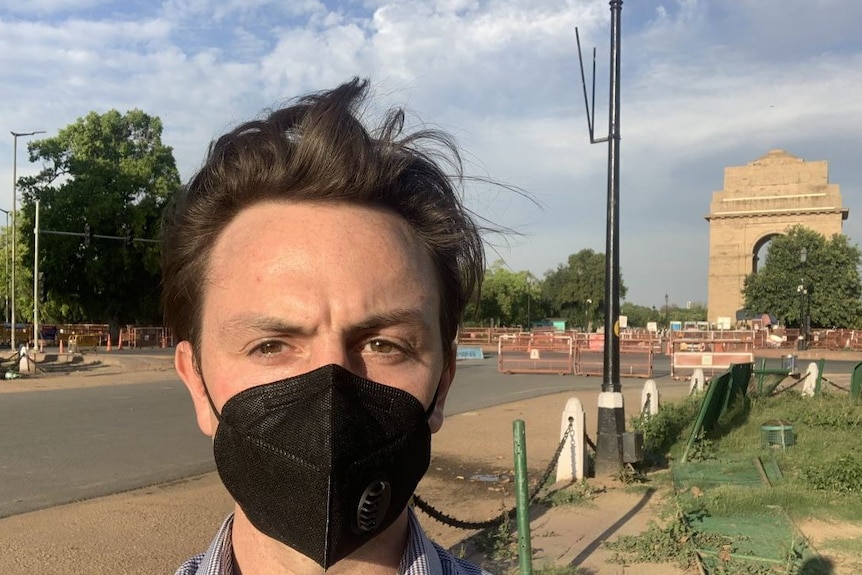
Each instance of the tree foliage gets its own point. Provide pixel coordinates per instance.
(109, 171)
(641, 315)
(829, 275)
(508, 298)
(576, 290)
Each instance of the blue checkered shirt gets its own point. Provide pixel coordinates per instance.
(422, 556)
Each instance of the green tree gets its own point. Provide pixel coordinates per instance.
(695, 312)
(829, 275)
(576, 290)
(23, 275)
(508, 298)
(640, 315)
(112, 173)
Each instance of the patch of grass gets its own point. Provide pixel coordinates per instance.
(664, 429)
(822, 469)
(703, 449)
(820, 477)
(497, 543)
(842, 474)
(580, 493)
(658, 544)
(797, 501)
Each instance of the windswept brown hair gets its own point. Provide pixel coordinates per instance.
(317, 150)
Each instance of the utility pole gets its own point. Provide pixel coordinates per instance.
(15, 136)
(611, 416)
(36, 337)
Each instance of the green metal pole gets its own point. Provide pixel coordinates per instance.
(522, 503)
(760, 376)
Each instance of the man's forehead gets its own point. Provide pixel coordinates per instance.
(349, 249)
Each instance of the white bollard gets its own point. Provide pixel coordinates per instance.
(810, 382)
(649, 398)
(25, 363)
(572, 464)
(697, 381)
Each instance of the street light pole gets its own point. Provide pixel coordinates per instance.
(666, 310)
(6, 276)
(803, 293)
(15, 136)
(611, 417)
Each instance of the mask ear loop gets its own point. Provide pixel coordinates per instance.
(428, 412)
(213, 407)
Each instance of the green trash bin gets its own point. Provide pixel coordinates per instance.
(856, 382)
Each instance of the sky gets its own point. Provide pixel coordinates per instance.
(705, 84)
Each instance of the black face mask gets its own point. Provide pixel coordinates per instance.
(322, 462)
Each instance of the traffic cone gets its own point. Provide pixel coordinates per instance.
(61, 345)
(109, 343)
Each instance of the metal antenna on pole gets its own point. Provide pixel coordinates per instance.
(611, 417)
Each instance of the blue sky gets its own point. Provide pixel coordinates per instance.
(706, 84)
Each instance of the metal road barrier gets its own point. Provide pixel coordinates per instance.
(683, 363)
(535, 353)
(634, 362)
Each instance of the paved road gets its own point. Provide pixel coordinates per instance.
(63, 445)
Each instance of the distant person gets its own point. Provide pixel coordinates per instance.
(315, 274)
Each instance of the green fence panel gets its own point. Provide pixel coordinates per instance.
(856, 382)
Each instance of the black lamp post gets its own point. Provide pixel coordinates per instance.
(666, 319)
(802, 289)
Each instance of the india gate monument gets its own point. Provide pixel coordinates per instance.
(760, 200)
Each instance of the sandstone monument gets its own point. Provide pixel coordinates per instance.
(759, 201)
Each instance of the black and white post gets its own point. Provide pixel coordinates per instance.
(611, 417)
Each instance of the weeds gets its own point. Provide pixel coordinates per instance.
(579, 493)
(664, 429)
(703, 449)
(668, 544)
(498, 544)
(842, 474)
(628, 475)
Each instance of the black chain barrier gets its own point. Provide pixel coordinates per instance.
(789, 387)
(435, 513)
(835, 385)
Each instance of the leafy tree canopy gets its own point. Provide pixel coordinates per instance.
(829, 275)
(576, 290)
(508, 298)
(640, 315)
(109, 171)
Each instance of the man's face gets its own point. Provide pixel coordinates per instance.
(293, 287)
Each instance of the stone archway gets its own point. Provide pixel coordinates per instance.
(761, 200)
(758, 245)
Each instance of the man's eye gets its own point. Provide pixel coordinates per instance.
(382, 346)
(269, 348)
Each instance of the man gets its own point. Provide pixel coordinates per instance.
(315, 276)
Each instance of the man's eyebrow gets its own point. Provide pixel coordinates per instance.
(260, 323)
(406, 316)
(253, 322)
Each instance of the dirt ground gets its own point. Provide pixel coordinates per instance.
(153, 530)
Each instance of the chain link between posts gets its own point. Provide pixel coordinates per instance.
(435, 513)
